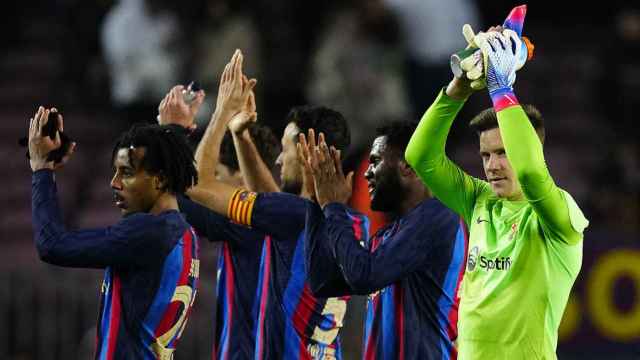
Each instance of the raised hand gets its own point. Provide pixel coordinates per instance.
(40, 145)
(242, 120)
(174, 110)
(475, 63)
(501, 53)
(323, 164)
(235, 89)
(308, 187)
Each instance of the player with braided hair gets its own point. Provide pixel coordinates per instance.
(150, 257)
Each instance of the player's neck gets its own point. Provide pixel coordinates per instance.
(414, 196)
(165, 202)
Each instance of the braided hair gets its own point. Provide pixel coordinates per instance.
(167, 152)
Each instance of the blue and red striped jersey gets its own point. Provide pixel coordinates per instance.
(237, 279)
(411, 271)
(292, 322)
(151, 273)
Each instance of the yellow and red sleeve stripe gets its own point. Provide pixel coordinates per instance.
(241, 206)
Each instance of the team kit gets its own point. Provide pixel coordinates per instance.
(466, 268)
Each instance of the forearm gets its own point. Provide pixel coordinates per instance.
(362, 270)
(427, 145)
(208, 150)
(216, 196)
(524, 151)
(255, 173)
(56, 245)
(48, 226)
(324, 276)
(426, 155)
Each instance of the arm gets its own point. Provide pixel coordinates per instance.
(255, 172)
(559, 216)
(324, 275)
(233, 94)
(208, 223)
(208, 151)
(524, 150)
(132, 241)
(426, 153)
(400, 255)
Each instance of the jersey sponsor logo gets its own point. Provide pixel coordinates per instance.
(502, 263)
(474, 259)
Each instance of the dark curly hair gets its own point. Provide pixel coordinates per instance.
(398, 134)
(323, 120)
(166, 152)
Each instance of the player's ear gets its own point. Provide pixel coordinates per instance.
(160, 182)
(405, 169)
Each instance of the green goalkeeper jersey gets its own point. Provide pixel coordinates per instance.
(523, 255)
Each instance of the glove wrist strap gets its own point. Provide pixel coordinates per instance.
(503, 98)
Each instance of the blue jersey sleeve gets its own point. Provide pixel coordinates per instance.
(393, 255)
(323, 272)
(279, 214)
(207, 222)
(138, 239)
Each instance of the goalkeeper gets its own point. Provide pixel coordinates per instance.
(525, 246)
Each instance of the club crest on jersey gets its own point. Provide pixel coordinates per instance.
(374, 295)
(514, 231)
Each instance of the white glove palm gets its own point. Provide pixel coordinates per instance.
(473, 65)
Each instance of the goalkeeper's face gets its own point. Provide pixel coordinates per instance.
(497, 168)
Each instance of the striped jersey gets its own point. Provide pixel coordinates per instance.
(237, 279)
(292, 323)
(151, 273)
(411, 271)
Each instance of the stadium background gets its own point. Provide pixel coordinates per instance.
(585, 79)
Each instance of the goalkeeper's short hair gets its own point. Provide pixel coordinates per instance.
(487, 120)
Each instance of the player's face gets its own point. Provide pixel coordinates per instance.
(497, 168)
(229, 176)
(290, 169)
(383, 178)
(134, 189)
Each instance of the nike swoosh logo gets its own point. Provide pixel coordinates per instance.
(478, 221)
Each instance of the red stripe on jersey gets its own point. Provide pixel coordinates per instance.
(357, 227)
(301, 317)
(263, 296)
(169, 317)
(114, 318)
(229, 281)
(453, 312)
(399, 302)
(372, 341)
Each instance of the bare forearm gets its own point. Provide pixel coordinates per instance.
(215, 197)
(208, 151)
(255, 173)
